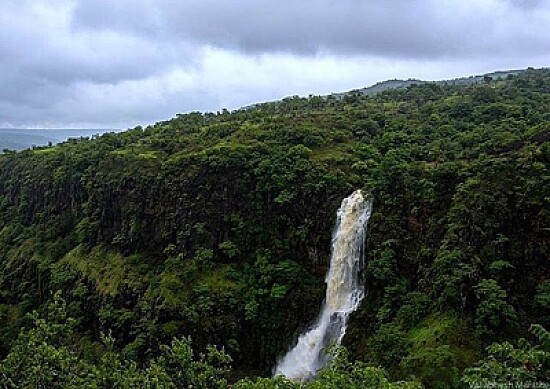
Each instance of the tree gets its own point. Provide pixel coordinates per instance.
(506, 364)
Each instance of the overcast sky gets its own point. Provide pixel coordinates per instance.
(120, 63)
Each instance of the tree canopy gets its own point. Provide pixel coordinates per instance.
(216, 227)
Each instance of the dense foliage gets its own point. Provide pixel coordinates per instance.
(217, 227)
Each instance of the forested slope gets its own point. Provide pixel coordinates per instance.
(218, 227)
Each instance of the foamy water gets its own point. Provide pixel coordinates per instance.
(343, 296)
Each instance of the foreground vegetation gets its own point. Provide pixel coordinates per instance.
(217, 227)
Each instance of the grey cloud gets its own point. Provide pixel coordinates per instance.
(117, 63)
(400, 28)
(99, 57)
(527, 4)
(41, 58)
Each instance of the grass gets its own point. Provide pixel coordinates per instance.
(174, 286)
(46, 150)
(109, 271)
(449, 332)
(441, 347)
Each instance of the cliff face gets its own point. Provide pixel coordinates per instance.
(218, 226)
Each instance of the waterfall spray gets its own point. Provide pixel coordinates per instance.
(344, 291)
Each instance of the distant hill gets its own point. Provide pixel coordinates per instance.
(20, 139)
(383, 86)
(402, 84)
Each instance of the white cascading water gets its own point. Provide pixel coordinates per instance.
(343, 296)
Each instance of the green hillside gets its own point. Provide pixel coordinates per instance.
(218, 226)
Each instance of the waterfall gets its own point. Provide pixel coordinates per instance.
(344, 291)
